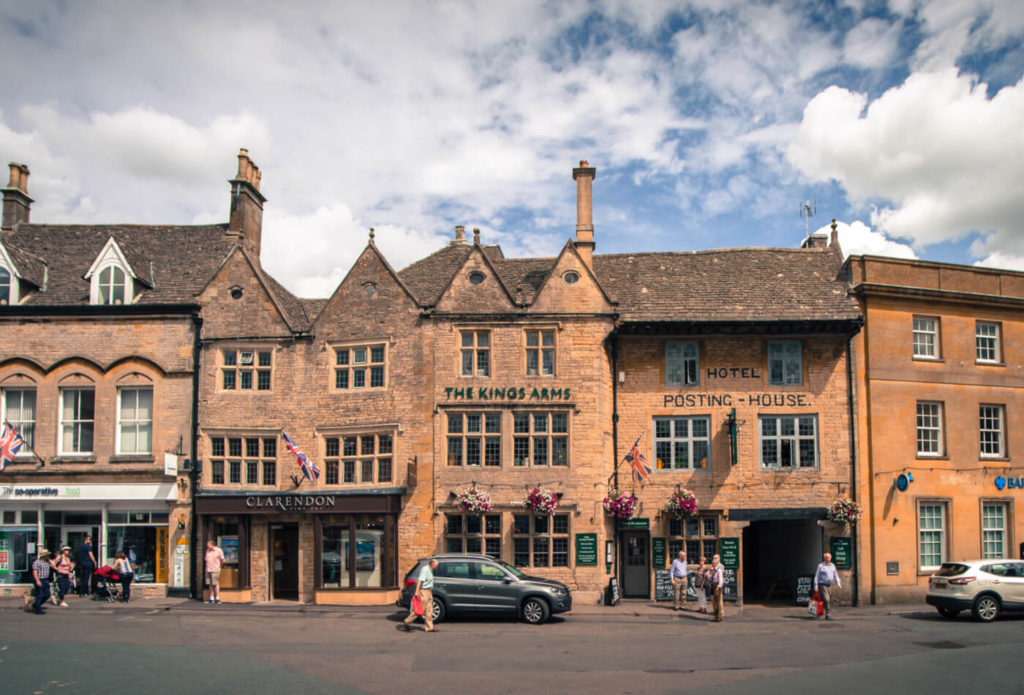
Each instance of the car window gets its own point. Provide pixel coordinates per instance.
(1015, 569)
(457, 569)
(951, 569)
(998, 569)
(489, 572)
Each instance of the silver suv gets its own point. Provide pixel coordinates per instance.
(481, 585)
(985, 587)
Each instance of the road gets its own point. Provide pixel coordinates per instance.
(196, 648)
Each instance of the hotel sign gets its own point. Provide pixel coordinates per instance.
(290, 503)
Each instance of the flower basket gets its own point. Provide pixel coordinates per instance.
(844, 511)
(473, 501)
(619, 505)
(541, 500)
(682, 504)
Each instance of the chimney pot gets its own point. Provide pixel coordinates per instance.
(476, 235)
(16, 203)
(460, 234)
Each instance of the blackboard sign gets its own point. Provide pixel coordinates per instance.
(731, 591)
(804, 589)
(730, 548)
(662, 585)
(842, 552)
(586, 548)
(659, 548)
(612, 594)
(691, 587)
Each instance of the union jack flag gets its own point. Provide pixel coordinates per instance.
(309, 468)
(641, 468)
(10, 443)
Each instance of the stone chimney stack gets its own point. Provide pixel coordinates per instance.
(17, 204)
(584, 176)
(476, 236)
(247, 203)
(460, 234)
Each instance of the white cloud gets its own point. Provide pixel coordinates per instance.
(858, 239)
(873, 43)
(944, 155)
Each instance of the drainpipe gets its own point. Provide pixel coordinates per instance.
(853, 466)
(615, 440)
(197, 345)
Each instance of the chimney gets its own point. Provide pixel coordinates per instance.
(584, 176)
(247, 203)
(460, 234)
(476, 236)
(17, 204)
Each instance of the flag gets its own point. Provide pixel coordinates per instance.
(310, 469)
(10, 443)
(641, 469)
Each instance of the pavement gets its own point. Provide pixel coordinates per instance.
(630, 608)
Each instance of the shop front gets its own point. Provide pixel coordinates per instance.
(130, 517)
(324, 548)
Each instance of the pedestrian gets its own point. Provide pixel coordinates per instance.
(214, 564)
(825, 577)
(699, 580)
(680, 571)
(87, 563)
(64, 566)
(425, 592)
(41, 570)
(124, 568)
(718, 585)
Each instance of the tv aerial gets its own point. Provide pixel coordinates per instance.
(807, 210)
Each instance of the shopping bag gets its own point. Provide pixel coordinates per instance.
(417, 606)
(812, 605)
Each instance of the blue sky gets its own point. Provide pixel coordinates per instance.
(709, 122)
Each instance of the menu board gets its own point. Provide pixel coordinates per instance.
(804, 589)
(731, 591)
(612, 597)
(663, 585)
(842, 552)
(586, 548)
(730, 548)
(659, 551)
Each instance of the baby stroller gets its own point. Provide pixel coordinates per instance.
(108, 584)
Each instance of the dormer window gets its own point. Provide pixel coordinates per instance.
(111, 280)
(112, 285)
(7, 287)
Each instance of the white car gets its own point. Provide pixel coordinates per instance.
(985, 587)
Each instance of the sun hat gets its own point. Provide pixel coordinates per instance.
(43, 552)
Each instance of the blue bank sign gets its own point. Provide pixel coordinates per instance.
(1004, 483)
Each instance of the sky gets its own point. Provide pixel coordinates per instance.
(711, 123)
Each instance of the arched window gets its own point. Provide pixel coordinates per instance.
(112, 285)
(6, 284)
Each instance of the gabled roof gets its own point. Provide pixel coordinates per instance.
(28, 266)
(173, 262)
(741, 284)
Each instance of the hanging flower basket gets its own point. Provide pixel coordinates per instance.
(619, 505)
(541, 500)
(844, 511)
(473, 500)
(682, 504)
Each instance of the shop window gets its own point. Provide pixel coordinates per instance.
(137, 538)
(358, 551)
(229, 533)
(15, 542)
(135, 420)
(360, 367)
(540, 540)
(474, 533)
(358, 458)
(682, 442)
(987, 340)
(785, 362)
(19, 409)
(789, 441)
(697, 535)
(926, 337)
(474, 439)
(682, 363)
(476, 353)
(232, 458)
(540, 439)
(931, 525)
(930, 441)
(990, 428)
(77, 420)
(540, 353)
(246, 370)
(994, 516)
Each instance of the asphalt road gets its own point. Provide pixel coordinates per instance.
(197, 648)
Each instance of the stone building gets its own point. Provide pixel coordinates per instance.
(939, 373)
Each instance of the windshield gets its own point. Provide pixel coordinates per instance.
(514, 570)
(951, 569)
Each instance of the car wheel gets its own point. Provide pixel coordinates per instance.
(535, 611)
(986, 608)
(949, 612)
(437, 610)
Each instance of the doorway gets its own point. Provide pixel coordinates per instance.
(284, 561)
(775, 553)
(74, 536)
(636, 564)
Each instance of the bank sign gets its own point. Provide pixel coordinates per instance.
(1004, 483)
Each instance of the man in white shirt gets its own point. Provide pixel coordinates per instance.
(679, 574)
(425, 592)
(826, 577)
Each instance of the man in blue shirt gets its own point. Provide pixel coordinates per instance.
(87, 563)
(680, 570)
(825, 577)
(41, 569)
(425, 592)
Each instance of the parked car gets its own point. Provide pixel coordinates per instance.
(482, 585)
(985, 587)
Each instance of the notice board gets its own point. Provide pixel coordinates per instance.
(663, 585)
